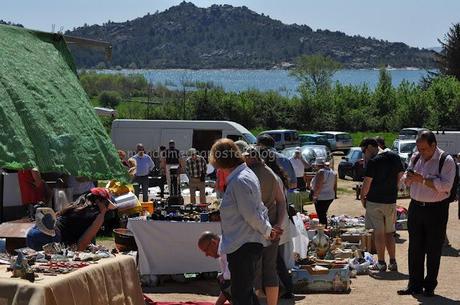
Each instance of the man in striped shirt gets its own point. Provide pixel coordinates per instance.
(195, 168)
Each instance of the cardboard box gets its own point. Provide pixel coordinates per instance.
(334, 279)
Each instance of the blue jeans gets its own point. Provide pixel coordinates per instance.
(37, 239)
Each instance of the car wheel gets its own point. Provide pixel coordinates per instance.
(341, 175)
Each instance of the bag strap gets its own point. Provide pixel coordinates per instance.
(416, 158)
(441, 161)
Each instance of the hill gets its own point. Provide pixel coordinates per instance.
(223, 36)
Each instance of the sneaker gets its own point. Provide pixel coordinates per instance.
(393, 267)
(378, 267)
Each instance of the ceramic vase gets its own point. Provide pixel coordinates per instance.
(321, 242)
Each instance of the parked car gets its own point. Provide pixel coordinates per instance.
(284, 138)
(352, 165)
(410, 133)
(322, 151)
(339, 140)
(404, 148)
(308, 153)
(313, 139)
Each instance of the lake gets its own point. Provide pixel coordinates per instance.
(264, 80)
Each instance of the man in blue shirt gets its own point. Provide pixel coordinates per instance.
(144, 165)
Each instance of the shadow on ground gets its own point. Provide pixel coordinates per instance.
(389, 276)
(200, 287)
(450, 251)
(436, 300)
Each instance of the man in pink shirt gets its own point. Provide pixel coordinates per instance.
(430, 175)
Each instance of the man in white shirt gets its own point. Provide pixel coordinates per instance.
(299, 165)
(430, 175)
(209, 244)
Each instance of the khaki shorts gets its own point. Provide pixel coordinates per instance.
(381, 216)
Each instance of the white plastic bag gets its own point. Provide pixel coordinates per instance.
(301, 241)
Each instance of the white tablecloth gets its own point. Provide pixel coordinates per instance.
(171, 247)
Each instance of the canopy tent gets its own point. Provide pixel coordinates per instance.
(46, 119)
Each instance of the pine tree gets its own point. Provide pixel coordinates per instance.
(449, 58)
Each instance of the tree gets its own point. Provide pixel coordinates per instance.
(449, 58)
(384, 101)
(110, 98)
(315, 71)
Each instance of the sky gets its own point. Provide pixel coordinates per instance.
(418, 23)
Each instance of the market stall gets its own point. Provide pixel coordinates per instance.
(109, 281)
(171, 247)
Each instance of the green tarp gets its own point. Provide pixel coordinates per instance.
(46, 119)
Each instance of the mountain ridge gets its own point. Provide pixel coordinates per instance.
(223, 36)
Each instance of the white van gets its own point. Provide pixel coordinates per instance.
(200, 135)
(449, 141)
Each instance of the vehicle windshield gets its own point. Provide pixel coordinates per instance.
(320, 152)
(343, 137)
(309, 155)
(408, 134)
(354, 153)
(304, 138)
(249, 138)
(407, 147)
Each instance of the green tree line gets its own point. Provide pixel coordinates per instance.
(334, 107)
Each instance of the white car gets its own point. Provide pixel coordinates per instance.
(404, 148)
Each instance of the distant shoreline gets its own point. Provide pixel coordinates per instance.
(248, 69)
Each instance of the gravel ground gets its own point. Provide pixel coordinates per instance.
(365, 289)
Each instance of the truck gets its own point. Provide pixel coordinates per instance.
(449, 141)
(200, 135)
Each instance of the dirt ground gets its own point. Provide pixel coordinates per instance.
(365, 289)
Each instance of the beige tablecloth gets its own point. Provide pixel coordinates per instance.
(112, 281)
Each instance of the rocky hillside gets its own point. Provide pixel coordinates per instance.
(223, 36)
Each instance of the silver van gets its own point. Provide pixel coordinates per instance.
(410, 133)
(284, 138)
(339, 140)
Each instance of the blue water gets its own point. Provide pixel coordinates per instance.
(264, 80)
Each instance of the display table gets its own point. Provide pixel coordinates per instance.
(112, 281)
(166, 247)
(15, 233)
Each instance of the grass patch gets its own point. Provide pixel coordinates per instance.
(345, 190)
(388, 136)
(103, 238)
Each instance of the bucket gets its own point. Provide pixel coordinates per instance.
(124, 240)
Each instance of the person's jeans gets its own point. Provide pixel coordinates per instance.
(141, 181)
(242, 266)
(301, 185)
